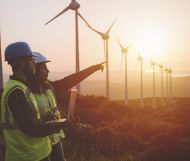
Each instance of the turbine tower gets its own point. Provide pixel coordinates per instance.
(105, 36)
(124, 51)
(171, 86)
(162, 83)
(153, 64)
(140, 59)
(1, 66)
(167, 83)
(74, 5)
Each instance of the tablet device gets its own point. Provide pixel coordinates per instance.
(55, 122)
(72, 104)
(60, 120)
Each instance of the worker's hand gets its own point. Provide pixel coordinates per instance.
(69, 127)
(47, 116)
(100, 66)
(68, 124)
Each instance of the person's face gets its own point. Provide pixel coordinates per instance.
(42, 71)
(29, 66)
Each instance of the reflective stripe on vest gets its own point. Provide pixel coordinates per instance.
(7, 124)
(55, 138)
(47, 103)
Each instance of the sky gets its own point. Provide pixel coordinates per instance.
(159, 29)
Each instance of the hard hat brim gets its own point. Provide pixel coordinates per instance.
(34, 55)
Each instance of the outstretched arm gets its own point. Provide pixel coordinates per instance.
(72, 80)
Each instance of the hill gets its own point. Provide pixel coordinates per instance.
(108, 130)
(95, 84)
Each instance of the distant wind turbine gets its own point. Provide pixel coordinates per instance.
(153, 64)
(171, 86)
(124, 51)
(167, 83)
(105, 36)
(74, 5)
(162, 83)
(1, 67)
(140, 59)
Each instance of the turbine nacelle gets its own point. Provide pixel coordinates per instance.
(105, 36)
(153, 63)
(160, 66)
(124, 50)
(169, 71)
(74, 5)
(166, 70)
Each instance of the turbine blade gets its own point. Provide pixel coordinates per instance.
(121, 46)
(159, 65)
(111, 26)
(129, 45)
(98, 32)
(67, 8)
(82, 18)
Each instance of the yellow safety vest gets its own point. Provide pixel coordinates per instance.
(47, 103)
(21, 147)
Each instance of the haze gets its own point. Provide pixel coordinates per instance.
(163, 27)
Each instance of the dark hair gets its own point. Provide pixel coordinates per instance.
(34, 85)
(38, 66)
(38, 86)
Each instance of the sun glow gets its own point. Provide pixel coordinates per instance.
(152, 43)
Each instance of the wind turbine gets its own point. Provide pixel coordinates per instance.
(105, 36)
(74, 5)
(167, 83)
(1, 66)
(153, 64)
(170, 73)
(140, 59)
(124, 51)
(162, 83)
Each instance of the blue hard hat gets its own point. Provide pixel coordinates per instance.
(39, 58)
(18, 50)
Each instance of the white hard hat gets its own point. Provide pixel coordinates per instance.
(40, 58)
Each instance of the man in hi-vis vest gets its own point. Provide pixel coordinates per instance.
(24, 132)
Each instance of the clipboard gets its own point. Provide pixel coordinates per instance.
(55, 122)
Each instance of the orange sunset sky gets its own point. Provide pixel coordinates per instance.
(160, 29)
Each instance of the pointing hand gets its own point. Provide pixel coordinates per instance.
(100, 66)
